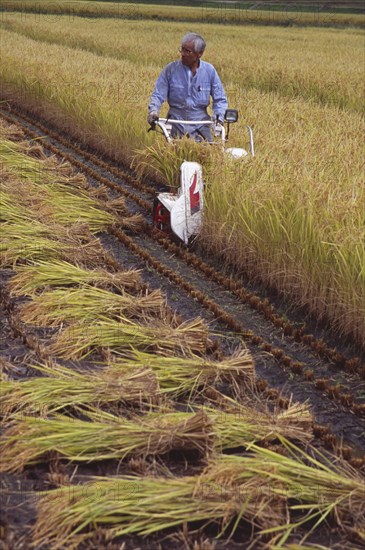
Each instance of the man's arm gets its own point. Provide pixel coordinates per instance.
(160, 92)
(220, 103)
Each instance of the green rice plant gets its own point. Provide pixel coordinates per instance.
(27, 440)
(60, 387)
(192, 374)
(58, 273)
(275, 493)
(79, 340)
(59, 305)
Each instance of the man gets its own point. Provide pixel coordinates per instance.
(187, 85)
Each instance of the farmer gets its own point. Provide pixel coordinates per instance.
(187, 85)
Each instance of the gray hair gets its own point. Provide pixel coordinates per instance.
(196, 39)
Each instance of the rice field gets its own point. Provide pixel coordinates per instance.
(116, 378)
(241, 13)
(293, 216)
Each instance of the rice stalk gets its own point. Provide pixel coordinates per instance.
(78, 341)
(26, 238)
(240, 425)
(17, 246)
(16, 157)
(27, 440)
(69, 208)
(192, 374)
(274, 493)
(55, 273)
(13, 212)
(166, 159)
(59, 388)
(52, 308)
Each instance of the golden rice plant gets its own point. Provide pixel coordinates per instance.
(59, 305)
(192, 374)
(24, 237)
(79, 340)
(291, 216)
(43, 274)
(308, 68)
(275, 493)
(331, 15)
(165, 160)
(60, 387)
(28, 439)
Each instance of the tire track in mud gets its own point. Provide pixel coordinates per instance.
(287, 357)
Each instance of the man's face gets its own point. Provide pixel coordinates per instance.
(188, 56)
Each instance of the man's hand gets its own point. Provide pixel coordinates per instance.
(152, 117)
(219, 120)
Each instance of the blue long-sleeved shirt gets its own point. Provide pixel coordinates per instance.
(189, 96)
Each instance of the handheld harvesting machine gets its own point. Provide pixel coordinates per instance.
(181, 213)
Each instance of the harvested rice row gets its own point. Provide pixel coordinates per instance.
(275, 493)
(52, 200)
(26, 238)
(62, 203)
(61, 388)
(107, 436)
(140, 378)
(60, 305)
(43, 274)
(80, 340)
(28, 439)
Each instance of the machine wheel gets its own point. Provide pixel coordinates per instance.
(161, 217)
